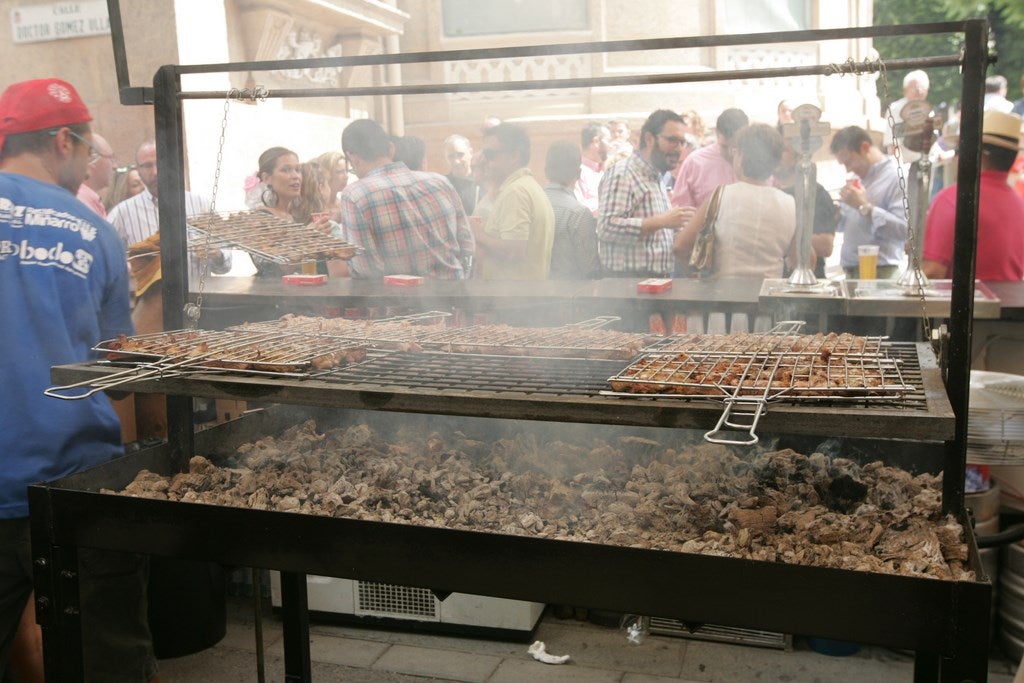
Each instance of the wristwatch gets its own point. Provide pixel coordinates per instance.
(865, 209)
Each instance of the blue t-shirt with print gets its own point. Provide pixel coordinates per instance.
(63, 288)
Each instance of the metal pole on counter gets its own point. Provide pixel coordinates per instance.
(806, 133)
(918, 134)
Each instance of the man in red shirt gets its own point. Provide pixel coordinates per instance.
(1000, 254)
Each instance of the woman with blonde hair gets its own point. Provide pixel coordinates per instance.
(335, 166)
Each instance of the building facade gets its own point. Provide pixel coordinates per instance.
(219, 31)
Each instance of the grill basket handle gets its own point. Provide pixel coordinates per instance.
(744, 420)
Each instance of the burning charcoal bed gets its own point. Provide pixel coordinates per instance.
(632, 491)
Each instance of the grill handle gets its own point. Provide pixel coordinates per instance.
(748, 412)
(93, 386)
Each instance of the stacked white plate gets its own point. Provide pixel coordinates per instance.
(995, 427)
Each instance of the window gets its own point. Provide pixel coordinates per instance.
(743, 16)
(488, 17)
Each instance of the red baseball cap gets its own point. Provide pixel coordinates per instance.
(40, 104)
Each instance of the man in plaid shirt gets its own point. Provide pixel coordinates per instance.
(635, 220)
(408, 222)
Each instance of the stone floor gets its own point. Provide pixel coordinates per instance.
(598, 655)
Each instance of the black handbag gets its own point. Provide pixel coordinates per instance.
(702, 255)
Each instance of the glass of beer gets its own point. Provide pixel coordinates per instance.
(868, 255)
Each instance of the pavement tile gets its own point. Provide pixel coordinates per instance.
(484, 646)
(520, 670)
(646, 678)
(345, 651)
(443, 664)
(242, 637)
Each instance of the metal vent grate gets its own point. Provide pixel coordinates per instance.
(722, 634)
(403, 602)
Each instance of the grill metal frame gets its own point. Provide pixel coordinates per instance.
(946, 623)
(550, 389)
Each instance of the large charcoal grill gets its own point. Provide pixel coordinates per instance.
(946, 623)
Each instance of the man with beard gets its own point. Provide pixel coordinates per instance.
(635, 222)
(63, 289)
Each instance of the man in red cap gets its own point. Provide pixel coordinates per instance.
(63, 288)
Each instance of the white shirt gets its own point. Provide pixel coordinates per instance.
(138, 217)
(753, 232)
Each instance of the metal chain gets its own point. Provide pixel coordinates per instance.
(897, 152)
(194, 311)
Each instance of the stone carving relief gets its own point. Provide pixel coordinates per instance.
(771, 57)
(304, 43)
(544, 68)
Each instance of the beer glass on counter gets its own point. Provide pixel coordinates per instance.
(868, 255)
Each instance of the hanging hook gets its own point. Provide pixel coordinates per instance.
(253, 94)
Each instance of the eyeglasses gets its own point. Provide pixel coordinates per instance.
(94, 153)
(673, 140)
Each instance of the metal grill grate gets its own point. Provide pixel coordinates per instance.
(266, 352)
(788, 371)
(388, 600)
(562, 376)
(385, 331)
(478, 372)
(581, 340)
(817, 344)
(268, 237)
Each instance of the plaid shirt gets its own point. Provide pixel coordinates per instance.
(630, 191)
(408, 222)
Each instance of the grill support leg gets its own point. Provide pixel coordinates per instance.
(295, 618)
(926, 667)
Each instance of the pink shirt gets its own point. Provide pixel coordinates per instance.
(703, 171)
(586, 187)
(88, 196)
(1000, 254)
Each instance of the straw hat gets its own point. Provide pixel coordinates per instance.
(1001, 129)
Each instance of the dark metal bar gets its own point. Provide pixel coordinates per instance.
(965, 239)
(170, 152)
(295, 618)
(56, 606)
(926, 667)
(684, 42)
(589, 82)
(128, 94)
